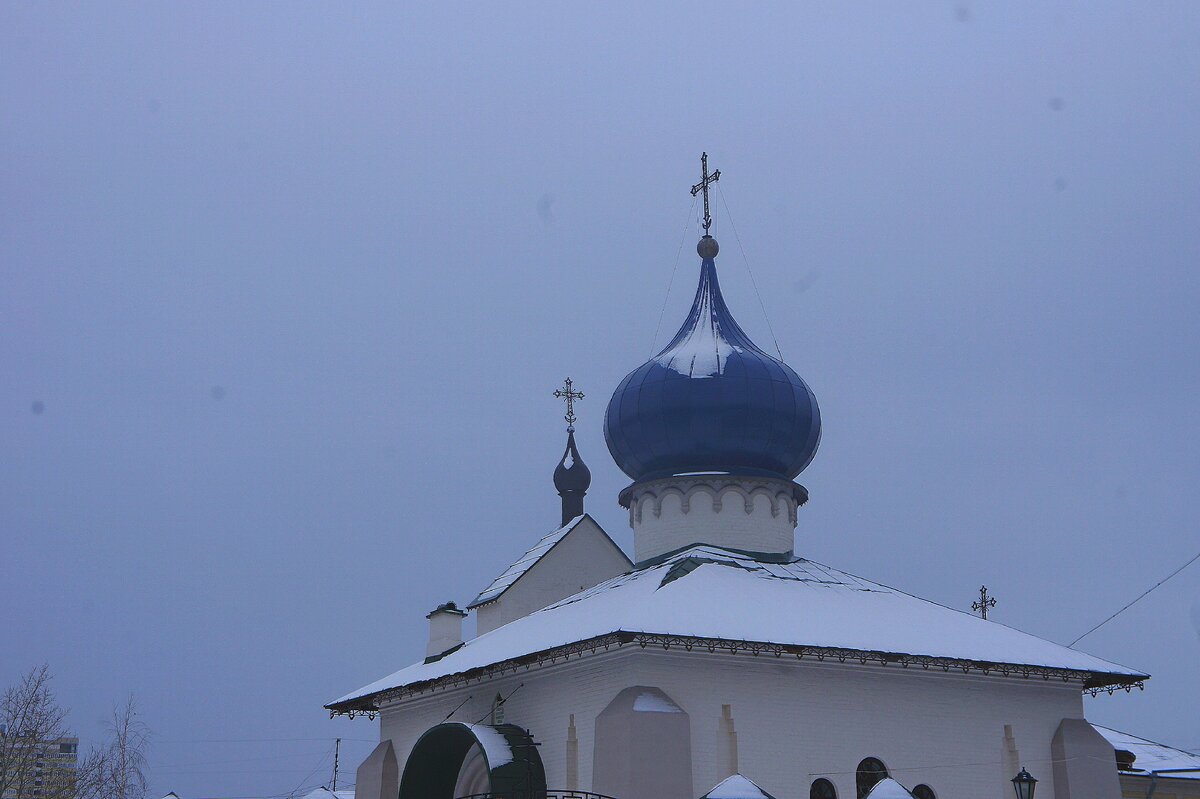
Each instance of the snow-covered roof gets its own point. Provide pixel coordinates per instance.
(1150, 756)
(523, 564)
(888, 788)
(705, 592)
(325, 793)
(737, 787)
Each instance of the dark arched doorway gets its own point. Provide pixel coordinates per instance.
(510, 755)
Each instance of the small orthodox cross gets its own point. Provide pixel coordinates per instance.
(702, 186)
(568, 393)
(985, 602)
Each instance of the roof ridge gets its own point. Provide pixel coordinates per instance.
(527, 556)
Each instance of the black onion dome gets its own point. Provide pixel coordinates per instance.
(712, 401)
(572, 474)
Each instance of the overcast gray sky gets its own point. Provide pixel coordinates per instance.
(287, 288)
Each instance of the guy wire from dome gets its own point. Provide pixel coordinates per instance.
(754, 283)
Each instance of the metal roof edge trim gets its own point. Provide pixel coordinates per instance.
(1093, 682)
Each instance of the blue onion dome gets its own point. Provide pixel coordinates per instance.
(712, 401)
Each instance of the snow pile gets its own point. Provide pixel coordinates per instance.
(494, 744)
(655, 703)
(888, 788)
(737, 787)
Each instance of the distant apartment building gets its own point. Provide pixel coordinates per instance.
(38, 769)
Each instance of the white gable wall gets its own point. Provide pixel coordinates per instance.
(584, 557)
(796, 720)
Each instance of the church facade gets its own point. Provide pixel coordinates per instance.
(713, 660)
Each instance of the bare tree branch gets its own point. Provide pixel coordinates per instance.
(125, 757)
(31, 719)
(39, 758)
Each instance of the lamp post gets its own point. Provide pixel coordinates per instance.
(1023, 784)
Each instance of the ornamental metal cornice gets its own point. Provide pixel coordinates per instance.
(1090, 682)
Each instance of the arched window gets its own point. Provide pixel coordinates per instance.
(924, 792)
(870, 772)
(822, 789)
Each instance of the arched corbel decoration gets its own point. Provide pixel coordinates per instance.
(513, 764)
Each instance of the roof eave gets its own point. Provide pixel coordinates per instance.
(1091, 681)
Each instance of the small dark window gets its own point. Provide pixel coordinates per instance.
(870, 772)
(924, 792)
(822, 789)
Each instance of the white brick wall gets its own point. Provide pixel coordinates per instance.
(796, 720)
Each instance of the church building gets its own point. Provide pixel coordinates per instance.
(715, 660)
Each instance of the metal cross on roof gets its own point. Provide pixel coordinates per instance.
(702, 186)
(570, 395)
(985, 602)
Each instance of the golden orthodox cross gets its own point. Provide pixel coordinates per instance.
(702, 186)
(568, 393)
(985, 602)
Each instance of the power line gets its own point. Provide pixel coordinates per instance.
(671, 282)
(346, 787)
(460, 704)
(1042, 761)
(253, 740)
(1134, 602)
(749, 271)
(227, 761)
(501, 702)
(318, 767)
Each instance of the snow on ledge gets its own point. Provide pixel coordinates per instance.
(888, 788)
(647, 702)
(494, 744)
(737, 787)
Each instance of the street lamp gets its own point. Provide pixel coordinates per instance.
(1023, 784)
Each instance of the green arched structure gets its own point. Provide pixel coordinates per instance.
(514, 766)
